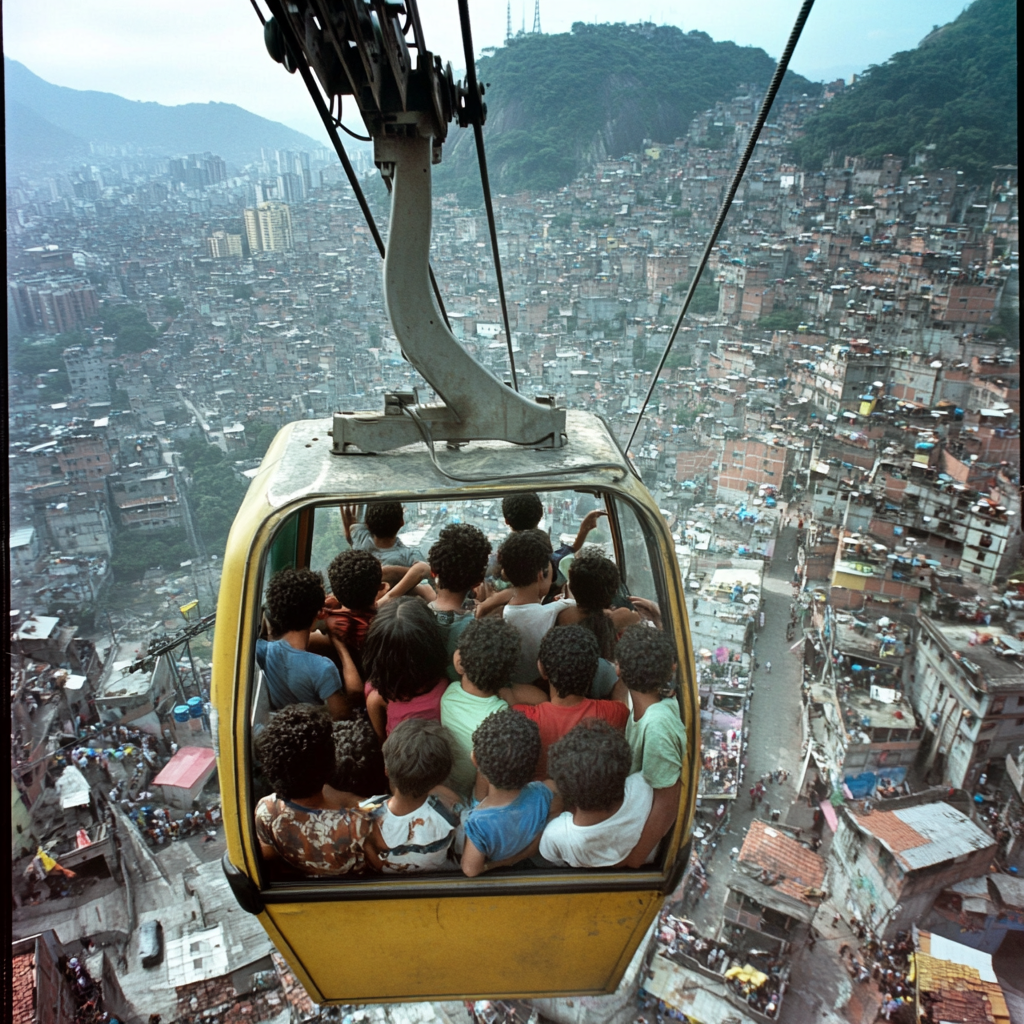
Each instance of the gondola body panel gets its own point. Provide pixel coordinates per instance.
(437, 936)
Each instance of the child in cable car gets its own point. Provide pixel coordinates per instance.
(458, 563)
(301, 825)
(567, 661)
(406, 663)
(655, 732)
(487, 655)
(419, 825)
(610, 806)
(295, 675)
(505, 827)
(378, 533)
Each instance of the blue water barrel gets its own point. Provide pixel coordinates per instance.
(181, 712)
(195, 707)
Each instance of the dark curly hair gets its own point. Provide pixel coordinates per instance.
(405, 652)
(458, 558)
(489, 652)
(385, 518)
(594, 581)
(590, 764)
(506, 746)
(355, 578)
(645, 658)
(522, 511)
(294, 599)
(523, 555)
(296, 750)
(418, 756)
(569, 655)
(359, 765)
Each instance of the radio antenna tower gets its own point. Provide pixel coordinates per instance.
(508, 29)
(536, 17)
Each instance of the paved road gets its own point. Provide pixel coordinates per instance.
(819, 986)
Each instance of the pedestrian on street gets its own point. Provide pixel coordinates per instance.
(734, 853)
(768, 667)
(835, 918)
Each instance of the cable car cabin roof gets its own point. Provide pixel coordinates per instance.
(426, 936)
(300, 465)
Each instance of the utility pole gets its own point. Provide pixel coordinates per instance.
(508, 24)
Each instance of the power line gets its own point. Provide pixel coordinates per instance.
(475, 112)
(762, 116)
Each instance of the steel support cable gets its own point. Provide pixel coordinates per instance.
(332, 131)
(762, 116)
(473, 101)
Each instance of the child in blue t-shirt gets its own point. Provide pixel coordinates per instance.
(506, 825)
(294, 674)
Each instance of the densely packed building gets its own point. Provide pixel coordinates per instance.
(855, 357)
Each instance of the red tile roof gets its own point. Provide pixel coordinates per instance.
(23, 989)
(767, 847)
(896, 834)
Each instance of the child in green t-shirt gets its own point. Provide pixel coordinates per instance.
(646, 660)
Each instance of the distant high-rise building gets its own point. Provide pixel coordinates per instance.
(268, 228)
(291, 187)
(220, 245)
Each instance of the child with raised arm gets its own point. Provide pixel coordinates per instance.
(506, 825)
(567, 661)
(294, 674)
(609, 806)
(378, 533)
(488, 653)
(419, 824)
(655, 731)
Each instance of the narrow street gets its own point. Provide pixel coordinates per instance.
(818, 984)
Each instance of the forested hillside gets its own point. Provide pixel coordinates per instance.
(557, 102)
(957, 92)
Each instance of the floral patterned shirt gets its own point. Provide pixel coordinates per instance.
(321, 842)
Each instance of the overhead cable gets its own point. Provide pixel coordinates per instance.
(476, 115)
(762, 116)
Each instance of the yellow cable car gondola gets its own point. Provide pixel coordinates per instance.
(442, 936)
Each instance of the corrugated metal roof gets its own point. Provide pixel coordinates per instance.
(948, 833)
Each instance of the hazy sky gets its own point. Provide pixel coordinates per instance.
(201, 50)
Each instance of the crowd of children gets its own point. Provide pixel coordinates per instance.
(463, 711)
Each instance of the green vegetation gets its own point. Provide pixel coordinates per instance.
(216, 491)
(242, 291)
(131, 330)
(687, 417)
(173, 306)
(135, 552)
(705, 297)
(1007, 325)
(556, 101)
(957, 92)
(38, 359)
(780, 320)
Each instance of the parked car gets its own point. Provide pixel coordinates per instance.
(151, 943)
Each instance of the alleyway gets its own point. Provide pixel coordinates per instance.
(819, 984)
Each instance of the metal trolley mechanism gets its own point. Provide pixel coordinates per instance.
(395, 938)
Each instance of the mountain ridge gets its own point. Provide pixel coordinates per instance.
(954, 96)
(557, 102)
(90, 116)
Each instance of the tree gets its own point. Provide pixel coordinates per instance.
(173, 306)
(780, 320)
